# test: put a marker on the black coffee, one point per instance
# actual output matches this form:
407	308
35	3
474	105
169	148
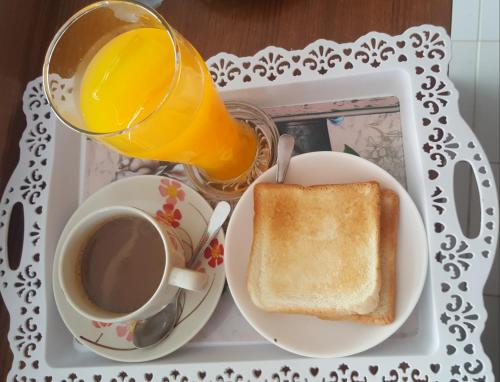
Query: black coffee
122	264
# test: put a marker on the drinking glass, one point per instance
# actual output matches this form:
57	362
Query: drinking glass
118	73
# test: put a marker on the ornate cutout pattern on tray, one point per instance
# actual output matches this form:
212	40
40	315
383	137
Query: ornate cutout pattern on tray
459	265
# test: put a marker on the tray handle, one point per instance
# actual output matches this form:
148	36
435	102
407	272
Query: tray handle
471	151
27	188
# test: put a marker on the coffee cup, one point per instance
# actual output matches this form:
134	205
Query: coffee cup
174	275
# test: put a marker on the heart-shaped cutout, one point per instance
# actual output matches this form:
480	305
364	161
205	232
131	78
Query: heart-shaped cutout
295	59
373	369
148	376
348	65
471	145
402	58
97	378
245	65
419	70
486	183
469	349
297	72
202	375
433	174
489	225
257	373
400	44
488	239
482	170
462	286
485	254
477	157
314	371
347	51
435	68
438	227
443	120
450	349
426	121
445	287
435	367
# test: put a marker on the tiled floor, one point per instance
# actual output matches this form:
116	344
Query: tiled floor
474	69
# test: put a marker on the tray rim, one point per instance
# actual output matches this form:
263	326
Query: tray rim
444	139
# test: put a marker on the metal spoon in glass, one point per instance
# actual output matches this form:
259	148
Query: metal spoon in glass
155	328
285	149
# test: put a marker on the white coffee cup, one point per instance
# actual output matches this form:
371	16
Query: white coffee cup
174	274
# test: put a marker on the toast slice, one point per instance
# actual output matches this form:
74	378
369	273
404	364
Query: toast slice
315	249
389	219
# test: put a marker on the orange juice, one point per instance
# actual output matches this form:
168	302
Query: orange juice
150	103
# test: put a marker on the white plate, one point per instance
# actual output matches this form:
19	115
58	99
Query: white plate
149	193
311	336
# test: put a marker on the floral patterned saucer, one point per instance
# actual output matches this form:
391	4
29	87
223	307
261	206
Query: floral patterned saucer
185	210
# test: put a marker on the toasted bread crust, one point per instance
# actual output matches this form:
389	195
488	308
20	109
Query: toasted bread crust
277	208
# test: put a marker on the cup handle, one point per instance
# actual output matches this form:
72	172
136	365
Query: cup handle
187	279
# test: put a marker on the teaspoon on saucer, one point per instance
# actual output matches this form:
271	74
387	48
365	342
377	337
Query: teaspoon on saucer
154	329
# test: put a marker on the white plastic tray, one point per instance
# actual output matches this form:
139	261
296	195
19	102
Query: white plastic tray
440	341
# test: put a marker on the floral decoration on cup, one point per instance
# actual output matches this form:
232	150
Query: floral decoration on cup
215	253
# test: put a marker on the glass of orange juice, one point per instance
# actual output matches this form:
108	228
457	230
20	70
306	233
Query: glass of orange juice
117	72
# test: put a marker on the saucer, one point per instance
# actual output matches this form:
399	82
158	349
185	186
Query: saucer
311	336
187	212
